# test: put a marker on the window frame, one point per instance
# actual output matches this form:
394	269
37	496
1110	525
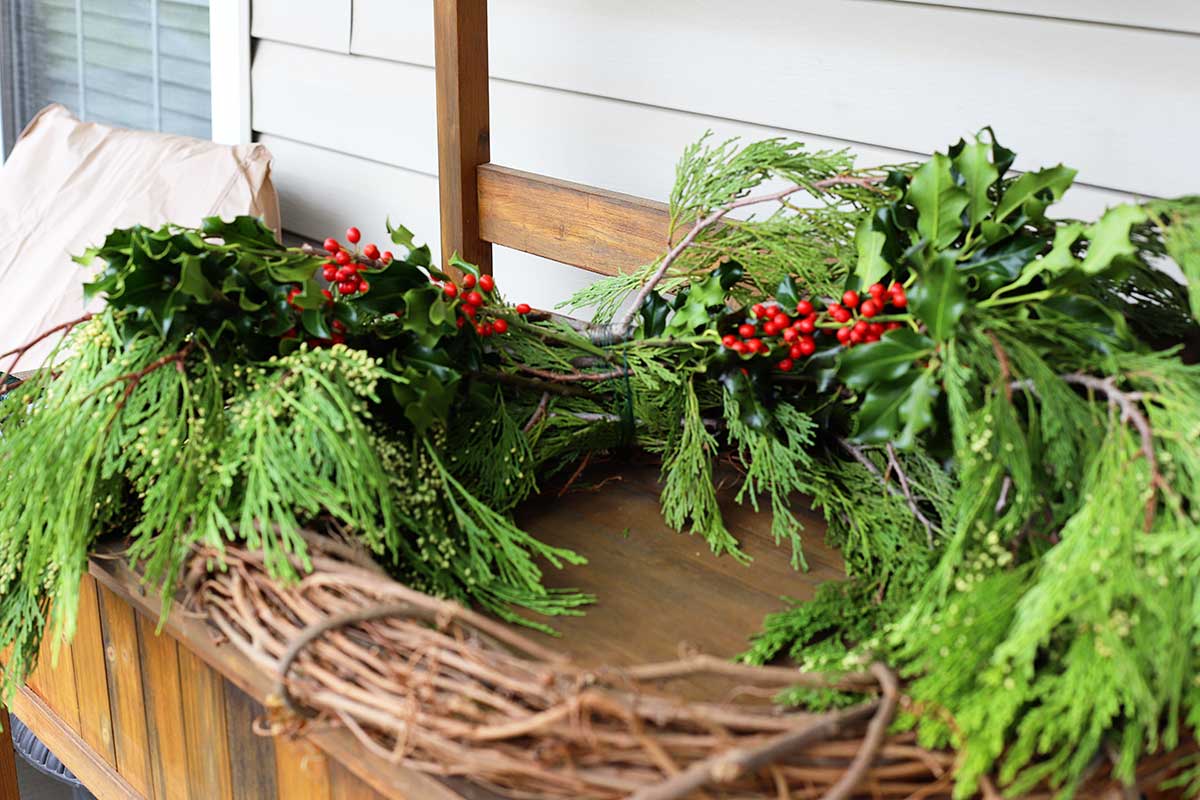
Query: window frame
229	66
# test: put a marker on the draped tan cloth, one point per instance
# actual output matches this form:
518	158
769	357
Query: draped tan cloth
68	183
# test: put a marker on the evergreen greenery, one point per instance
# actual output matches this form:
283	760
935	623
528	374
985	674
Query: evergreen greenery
1005	451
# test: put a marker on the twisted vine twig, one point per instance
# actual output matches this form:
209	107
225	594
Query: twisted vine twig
931	530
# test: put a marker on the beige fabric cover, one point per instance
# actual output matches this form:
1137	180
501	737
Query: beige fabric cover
68	183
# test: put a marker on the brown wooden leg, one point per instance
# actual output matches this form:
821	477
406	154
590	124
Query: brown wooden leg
8	761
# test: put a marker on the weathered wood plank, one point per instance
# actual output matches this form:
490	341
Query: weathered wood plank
121	584
54	679
208	763
251	757
8	759
131	739
347	787
301	770
601	231
164	712
91	675
100	778
460	47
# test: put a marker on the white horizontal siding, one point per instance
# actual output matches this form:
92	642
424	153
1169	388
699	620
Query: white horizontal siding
610	93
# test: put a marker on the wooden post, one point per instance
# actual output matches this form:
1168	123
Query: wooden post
461	46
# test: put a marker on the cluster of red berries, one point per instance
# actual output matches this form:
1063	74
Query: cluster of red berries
862	330
342	271
770	329
472	295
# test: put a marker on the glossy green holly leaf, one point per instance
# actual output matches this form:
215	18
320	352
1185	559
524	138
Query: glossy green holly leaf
696	308
241	230
418	256
890	358
315	324
869	241
1109	240
971	159
390	288
992	267
744	382
787	295
939	297
417	317
728	273
939	201
878	418
427	385
192	280
916	410
1028	189
654	312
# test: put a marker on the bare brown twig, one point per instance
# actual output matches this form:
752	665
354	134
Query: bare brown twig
893	464
18	352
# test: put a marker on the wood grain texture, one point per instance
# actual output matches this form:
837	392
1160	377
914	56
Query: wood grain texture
461	55
9	789
346	786
209	773
389	780
54	678
131	738
600	231
251	757
164	713
91	675
97	774
301	770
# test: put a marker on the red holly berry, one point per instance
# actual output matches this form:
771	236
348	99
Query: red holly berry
729	340
869	308
899	298
758	310
804	308
347	287
861	327
500	326
772	310
781	320
876	329
342	274
755	345
876	290
857	337
790	334
740	348
806	325
331	245
473	298
371	252
469	310
486	329
387	256
746	330
850	299
891	326
785	365
842	315
770	328
523	308
487	283
794	351
338	325
870	338
342	257
328	295
843	335
363	286
451	290
468	281
329	272
460	321
353	235
807	346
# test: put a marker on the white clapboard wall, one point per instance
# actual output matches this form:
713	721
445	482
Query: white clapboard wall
608	92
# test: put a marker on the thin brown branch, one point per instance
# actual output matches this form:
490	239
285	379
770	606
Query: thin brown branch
538	413
931	530
1005	365
623	327
132	379
876	732
574	377
19	352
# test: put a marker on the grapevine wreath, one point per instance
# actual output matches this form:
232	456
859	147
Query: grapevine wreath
992	407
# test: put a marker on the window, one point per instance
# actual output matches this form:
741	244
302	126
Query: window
133	63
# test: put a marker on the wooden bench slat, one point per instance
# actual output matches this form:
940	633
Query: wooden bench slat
598	230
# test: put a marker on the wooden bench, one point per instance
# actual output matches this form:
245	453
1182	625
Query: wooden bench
140	715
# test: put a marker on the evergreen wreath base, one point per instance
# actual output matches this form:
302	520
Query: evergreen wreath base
433	686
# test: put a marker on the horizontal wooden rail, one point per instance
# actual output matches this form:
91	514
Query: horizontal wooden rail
598	230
